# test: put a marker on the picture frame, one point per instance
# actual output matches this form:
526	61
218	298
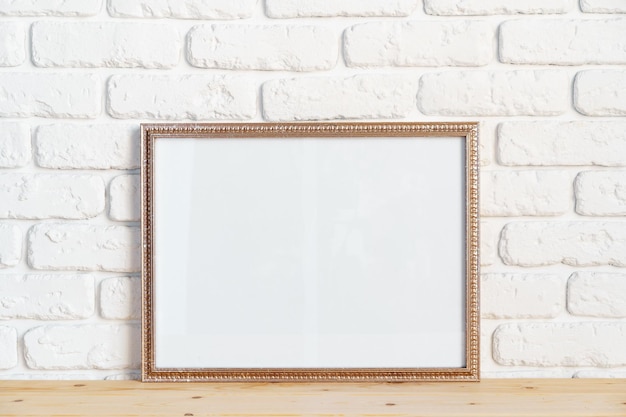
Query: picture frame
310	252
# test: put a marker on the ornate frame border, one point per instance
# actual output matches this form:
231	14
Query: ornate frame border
468	130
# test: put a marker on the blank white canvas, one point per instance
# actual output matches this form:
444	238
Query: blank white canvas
309	252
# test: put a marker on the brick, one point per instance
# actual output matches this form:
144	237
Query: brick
494	93
593	373
100	44
50	376
50	7
65	246
131	376
88	346
490	7
600	92
560	344
521	296
525	193
125	198
195	97
102	146
562	143
572	42
283	48
12	44
569	243
321	8
182	9
489	236
8	347
10	245
49	95
44	196
324	98
601	193
15	149
486	142
120	298
46	297
380	44
597	294
603	6
541	373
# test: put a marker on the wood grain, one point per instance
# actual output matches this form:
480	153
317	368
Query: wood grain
503	397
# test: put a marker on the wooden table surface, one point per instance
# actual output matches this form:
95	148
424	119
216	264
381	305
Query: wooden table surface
491	397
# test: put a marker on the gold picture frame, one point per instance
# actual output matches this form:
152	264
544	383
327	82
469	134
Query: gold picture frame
185	184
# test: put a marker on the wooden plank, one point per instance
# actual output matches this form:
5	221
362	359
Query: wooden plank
502	397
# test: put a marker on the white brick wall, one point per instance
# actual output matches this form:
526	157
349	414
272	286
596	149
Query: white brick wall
12	44
82	247
118	45
601	92
380	44
545	78
44	196
597	294
489	7
15	147
494	93
208	97
572	42
10	245
46	297
290	48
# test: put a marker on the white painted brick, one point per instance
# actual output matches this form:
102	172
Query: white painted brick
10	245
88	346
543	373
195	97
486	142
600	374
102	146
46	297
601	193
120	298
49	95
570	243
562	143
65	246
50	376
12	44
275	47
489	7
560	344
525	193
603	6
105	44
521	296
418	43
489	236
600	92
324	8
15	149
131	376
182	9
491	93
597	294
324	98
124	196
49	7
572	42
8	347
44	196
